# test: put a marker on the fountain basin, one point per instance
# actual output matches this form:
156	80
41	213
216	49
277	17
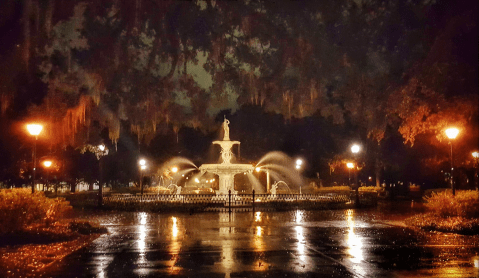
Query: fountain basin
226	173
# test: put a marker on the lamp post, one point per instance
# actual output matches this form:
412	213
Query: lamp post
350	166
452	133
355	148
34	130
100	152
299	163
476	164
47	164
142	163
174	170
268	182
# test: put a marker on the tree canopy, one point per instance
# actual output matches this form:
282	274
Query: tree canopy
142	64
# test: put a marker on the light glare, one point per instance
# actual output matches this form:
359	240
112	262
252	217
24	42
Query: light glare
34	129
355	148
452	132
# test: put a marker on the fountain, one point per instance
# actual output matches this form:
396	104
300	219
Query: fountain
278	166
174	189
275	187
226	170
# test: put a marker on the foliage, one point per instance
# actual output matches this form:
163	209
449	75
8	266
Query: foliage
370	189
424	110
19	208
465	204
433	222
39	247
335	188
180	62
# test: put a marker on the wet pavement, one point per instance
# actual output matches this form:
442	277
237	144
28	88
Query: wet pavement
336	243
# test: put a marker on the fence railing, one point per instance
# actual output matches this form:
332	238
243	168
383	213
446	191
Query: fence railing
229	200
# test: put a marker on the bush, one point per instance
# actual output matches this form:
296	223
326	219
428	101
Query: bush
444	204
370	189
432	222
19	208
335	188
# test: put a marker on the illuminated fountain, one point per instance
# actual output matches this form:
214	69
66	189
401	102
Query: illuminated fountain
277	185
279	167
174	189
226	170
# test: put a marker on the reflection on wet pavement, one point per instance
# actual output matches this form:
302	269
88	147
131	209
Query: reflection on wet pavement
338	243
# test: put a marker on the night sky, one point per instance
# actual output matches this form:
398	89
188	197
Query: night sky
308	78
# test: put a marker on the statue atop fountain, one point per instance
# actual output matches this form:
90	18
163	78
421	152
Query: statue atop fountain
227	130
226	144
226	170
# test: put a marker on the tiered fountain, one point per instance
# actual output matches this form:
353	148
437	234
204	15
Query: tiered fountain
226	170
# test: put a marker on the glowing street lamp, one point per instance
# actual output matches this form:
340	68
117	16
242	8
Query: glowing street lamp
299	163
452	133
355	148
350	166
142	163
101	151
47	164
268	182
34	130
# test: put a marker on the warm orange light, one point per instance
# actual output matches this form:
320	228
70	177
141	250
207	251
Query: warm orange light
258	169
452	132
475	154
142	162
174	169
34	129
47	163
350	165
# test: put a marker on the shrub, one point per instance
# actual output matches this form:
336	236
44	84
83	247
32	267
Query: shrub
444	204
335	188
370	189
19	208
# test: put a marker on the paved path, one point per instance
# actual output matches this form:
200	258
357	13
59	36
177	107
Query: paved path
340	243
